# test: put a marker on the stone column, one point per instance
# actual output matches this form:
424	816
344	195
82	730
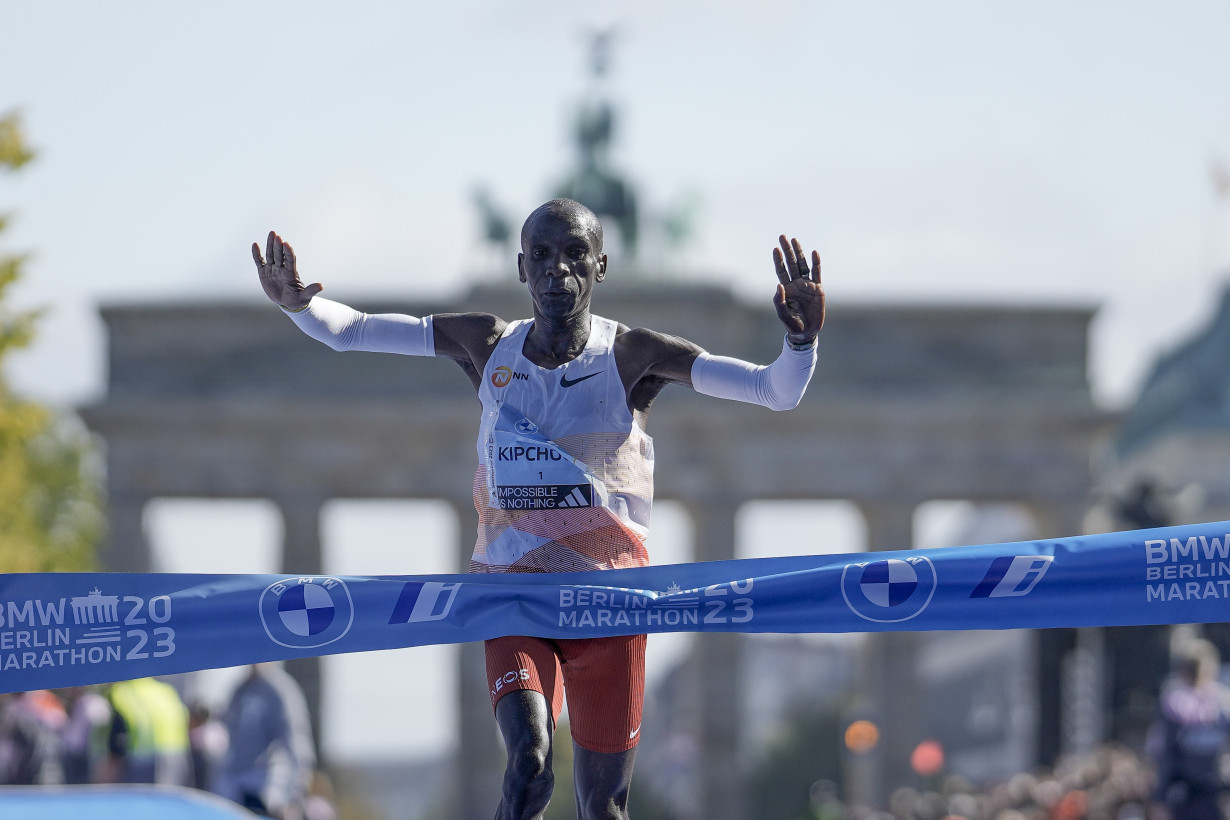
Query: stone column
1075	711
126	548
887	677
302	554
1084	714
302	551
1056	520
719	665
480	755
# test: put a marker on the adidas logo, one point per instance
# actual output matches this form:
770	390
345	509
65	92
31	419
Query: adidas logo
574	499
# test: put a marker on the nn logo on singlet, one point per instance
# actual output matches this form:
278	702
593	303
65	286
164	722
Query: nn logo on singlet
503	375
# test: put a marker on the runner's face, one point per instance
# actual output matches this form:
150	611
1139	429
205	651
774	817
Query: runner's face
561	262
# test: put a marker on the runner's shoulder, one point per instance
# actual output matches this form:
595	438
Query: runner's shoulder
470	328
638	336
645	340
642	352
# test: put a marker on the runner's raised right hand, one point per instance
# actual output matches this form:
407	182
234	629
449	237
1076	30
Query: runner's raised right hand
280	277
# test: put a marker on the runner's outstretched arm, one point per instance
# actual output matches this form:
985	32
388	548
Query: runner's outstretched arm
799	301
335	324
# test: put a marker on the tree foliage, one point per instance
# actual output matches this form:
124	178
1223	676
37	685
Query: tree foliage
50	512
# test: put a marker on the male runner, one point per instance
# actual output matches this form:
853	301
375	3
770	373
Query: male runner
564	480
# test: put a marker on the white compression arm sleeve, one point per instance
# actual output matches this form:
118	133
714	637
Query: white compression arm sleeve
344	328
778	386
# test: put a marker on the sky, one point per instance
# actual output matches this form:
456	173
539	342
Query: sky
1021	153
1041	152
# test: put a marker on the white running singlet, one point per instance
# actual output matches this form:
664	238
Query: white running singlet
565	476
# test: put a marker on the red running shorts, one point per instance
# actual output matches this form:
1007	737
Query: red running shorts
603	678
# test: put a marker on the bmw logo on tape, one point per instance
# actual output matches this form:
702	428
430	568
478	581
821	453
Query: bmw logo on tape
306	612
888	591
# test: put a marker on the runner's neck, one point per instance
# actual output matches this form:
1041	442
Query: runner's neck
553	344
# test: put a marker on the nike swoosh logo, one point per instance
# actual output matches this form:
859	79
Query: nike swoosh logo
634	733
564	381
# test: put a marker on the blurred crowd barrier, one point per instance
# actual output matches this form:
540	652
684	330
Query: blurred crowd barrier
142	732
257	752
1113	783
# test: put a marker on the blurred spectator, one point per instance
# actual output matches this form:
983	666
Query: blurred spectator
88	716
319	802
1145	506
148	742
270	759
1190	736
207	741
31	750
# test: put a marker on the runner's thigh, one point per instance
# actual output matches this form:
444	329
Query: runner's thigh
604	679
519	662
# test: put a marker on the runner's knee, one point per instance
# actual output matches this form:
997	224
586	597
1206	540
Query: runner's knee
528	780
530	763
525	722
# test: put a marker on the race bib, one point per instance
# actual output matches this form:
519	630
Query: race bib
528	471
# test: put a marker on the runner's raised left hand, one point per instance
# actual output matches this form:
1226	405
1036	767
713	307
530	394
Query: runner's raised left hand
800	297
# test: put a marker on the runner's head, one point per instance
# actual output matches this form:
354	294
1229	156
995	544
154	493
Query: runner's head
561	257
568	210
